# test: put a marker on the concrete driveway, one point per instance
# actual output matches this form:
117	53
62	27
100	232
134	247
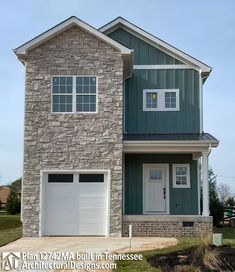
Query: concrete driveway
85	244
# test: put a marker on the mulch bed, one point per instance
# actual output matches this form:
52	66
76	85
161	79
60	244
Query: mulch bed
179	260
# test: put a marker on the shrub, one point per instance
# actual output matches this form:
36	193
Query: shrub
13	202
216	206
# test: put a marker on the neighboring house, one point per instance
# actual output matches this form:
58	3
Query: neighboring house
113	134
4	192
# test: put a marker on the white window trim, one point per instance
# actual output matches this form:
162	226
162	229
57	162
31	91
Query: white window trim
74	98
187	185
161	99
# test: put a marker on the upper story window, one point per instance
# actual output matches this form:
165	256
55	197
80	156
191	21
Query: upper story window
181	175
161	100
74	94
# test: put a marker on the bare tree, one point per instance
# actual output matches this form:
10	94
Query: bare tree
224	192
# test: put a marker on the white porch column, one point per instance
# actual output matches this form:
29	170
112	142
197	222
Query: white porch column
205	185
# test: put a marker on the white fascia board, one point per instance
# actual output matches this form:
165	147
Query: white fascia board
158	43
172	143
22	50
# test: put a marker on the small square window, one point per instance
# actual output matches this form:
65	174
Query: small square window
181	175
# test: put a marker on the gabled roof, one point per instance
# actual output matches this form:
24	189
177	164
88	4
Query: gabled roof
54	31
119	22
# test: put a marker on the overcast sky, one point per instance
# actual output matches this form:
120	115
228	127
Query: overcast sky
203	29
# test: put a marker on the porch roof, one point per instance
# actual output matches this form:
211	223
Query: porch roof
183	142
204	137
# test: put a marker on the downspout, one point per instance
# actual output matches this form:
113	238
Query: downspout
201	78
124	92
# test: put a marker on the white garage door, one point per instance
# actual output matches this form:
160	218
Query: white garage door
75	204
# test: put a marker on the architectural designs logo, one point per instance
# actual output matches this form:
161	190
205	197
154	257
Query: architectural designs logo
10	261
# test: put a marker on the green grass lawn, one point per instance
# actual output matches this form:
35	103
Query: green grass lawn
10	228
184	243
137	266
228	235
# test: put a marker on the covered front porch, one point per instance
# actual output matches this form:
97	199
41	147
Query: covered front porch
162	186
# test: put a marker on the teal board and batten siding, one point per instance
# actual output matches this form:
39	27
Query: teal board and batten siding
182	201
144	53
137	121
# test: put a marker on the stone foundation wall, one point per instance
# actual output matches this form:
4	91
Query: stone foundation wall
170	228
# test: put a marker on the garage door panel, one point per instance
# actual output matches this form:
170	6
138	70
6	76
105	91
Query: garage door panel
63	204
75	208
85	229
92	201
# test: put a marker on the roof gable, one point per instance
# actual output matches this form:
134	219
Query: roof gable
156	42
144	53
56	30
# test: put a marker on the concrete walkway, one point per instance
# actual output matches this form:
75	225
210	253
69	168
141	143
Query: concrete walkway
84	244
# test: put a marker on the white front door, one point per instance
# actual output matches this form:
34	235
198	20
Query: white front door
155	179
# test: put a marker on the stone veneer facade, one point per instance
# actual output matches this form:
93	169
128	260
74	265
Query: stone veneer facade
167	226
72	141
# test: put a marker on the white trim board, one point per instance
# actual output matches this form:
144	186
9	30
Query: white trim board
163	66
61	27
156	42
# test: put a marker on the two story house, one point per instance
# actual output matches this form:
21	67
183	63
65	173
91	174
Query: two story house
113	134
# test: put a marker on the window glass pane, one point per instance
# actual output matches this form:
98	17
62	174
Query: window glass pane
86	89
85	107
55	107
86	81
79	107
181	171
151	100
62	89
92	98
92	107
62	103
56	81
79	89
92	81
55	89
62	108
170	99
56	99
69	89
79	81
68	107
92	89
86	98
178	180
62	80
69	81
64	178
91	177
155	174
79	99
